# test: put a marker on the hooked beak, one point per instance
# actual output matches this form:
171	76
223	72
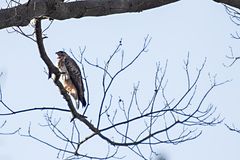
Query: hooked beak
58	55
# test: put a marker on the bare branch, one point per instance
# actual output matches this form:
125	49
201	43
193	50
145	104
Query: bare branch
155	119
232	58
32	109
8	133
233	128
1	101
186	68
147	40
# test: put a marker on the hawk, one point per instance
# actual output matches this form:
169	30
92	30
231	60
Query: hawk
71	77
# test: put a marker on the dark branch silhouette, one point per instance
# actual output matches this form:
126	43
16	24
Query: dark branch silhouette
232	58
17	14
235	18
156	120
232	128
134	124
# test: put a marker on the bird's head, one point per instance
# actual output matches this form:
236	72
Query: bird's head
61	55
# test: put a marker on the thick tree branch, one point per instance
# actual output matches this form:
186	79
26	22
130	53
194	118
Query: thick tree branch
21	15
43	54
233	3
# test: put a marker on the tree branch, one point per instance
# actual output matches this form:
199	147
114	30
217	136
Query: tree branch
54	70
232	128
33	109
233	3
21	15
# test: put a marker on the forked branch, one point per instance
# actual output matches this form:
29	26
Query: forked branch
135	124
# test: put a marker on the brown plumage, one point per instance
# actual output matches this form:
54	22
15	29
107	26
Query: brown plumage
71	77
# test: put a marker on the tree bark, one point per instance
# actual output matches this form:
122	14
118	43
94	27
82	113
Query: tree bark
21	15
55	9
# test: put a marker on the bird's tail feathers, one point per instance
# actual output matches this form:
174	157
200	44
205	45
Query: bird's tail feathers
83	101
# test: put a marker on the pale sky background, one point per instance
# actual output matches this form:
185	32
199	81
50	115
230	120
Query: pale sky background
201	28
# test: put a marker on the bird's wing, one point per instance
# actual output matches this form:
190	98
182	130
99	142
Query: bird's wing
76	78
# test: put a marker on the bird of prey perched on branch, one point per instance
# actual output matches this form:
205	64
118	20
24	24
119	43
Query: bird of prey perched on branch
71	77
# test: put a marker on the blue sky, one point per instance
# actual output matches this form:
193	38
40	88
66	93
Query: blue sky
201	28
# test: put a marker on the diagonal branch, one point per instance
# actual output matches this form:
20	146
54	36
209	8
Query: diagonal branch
53	70
232	128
